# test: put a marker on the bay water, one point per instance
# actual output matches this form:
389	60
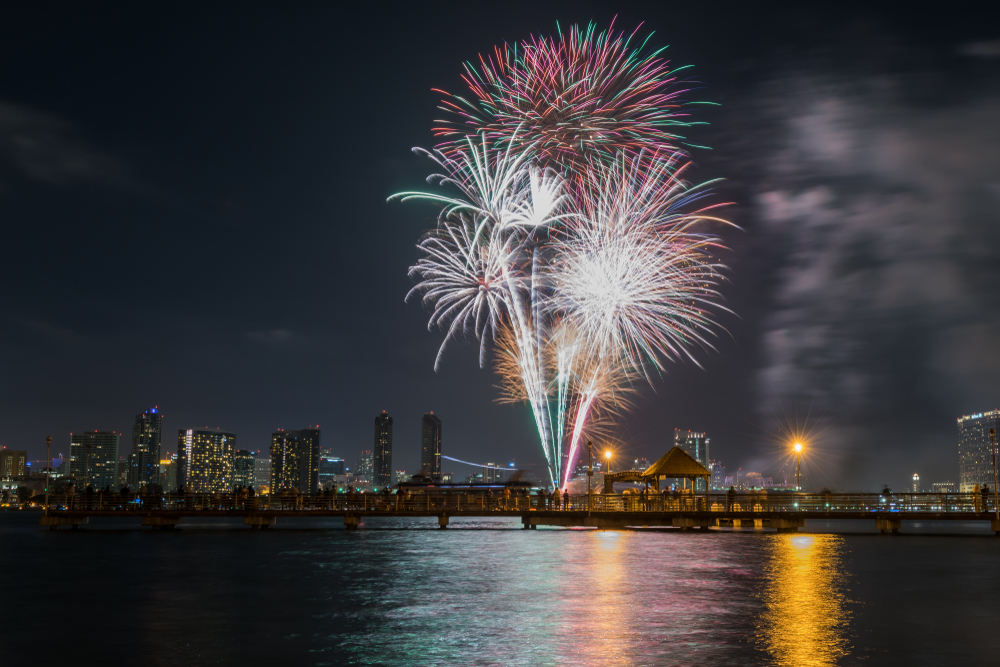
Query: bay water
486	592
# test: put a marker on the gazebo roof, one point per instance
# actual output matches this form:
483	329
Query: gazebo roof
677	463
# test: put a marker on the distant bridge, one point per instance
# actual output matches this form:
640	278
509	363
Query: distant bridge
778	511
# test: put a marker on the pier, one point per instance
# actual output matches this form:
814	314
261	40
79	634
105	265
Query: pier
783	512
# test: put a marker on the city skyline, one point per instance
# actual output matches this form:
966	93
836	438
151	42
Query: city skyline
972	443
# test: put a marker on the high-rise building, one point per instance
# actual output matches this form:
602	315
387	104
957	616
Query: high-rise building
329	467
13	463
295	460
168	473
640	463
205	460
94	458
366	466
975	462
144	461
916	483
262	473
695	444
492	474
402	477
382	452
718	475
243	469
430	446
944	487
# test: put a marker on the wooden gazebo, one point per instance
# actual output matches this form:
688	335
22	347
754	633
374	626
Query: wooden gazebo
674	464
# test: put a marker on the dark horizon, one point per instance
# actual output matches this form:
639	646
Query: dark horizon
196	199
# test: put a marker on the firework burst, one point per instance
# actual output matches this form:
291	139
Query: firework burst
570	99
632	270
568	240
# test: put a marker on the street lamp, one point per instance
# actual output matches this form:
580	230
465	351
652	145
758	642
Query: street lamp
607	455
993	451
798	465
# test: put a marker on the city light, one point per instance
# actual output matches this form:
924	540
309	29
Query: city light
798	447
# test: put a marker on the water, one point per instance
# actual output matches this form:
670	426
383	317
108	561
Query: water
487	593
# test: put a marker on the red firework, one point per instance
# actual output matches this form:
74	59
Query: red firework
574	98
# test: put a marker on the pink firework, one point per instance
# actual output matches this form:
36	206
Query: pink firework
573	98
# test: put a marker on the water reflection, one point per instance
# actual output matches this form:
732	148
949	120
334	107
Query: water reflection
609	614
805	618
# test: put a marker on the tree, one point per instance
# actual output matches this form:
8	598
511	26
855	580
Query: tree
24	494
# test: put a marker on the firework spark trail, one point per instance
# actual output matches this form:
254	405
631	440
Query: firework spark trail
473	269
573	243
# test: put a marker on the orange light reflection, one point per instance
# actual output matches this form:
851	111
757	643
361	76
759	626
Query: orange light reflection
805	620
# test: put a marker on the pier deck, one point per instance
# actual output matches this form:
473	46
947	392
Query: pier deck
782	512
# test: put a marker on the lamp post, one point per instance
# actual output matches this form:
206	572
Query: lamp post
607	455
48	469
993	451
798	467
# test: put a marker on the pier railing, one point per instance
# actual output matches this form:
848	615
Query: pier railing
810	503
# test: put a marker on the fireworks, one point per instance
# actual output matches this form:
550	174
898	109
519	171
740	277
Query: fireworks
573	98
573	246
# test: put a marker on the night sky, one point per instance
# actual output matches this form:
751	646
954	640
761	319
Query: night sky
193	198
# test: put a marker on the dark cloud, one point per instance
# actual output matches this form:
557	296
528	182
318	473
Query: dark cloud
984	49
272	337
44	147
886	299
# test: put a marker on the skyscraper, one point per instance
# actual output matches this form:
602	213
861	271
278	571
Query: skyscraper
13	463
916	483
718	475
329	467
168	474
144	461
205	460
262	473
366	466
382	452
492	474
94	458
295	460
695	444
243	469
430	446
975	461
